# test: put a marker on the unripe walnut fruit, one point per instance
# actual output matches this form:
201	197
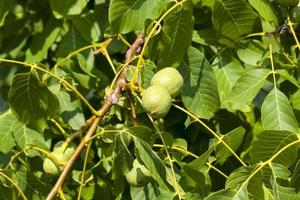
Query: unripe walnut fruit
157	101
50	166
170	79
139	175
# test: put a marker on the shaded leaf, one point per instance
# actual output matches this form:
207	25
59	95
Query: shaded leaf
38	50
233	18
178	26
67	8
233	139
31	101
5	6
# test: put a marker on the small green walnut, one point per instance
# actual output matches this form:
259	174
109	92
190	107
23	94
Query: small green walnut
287	3
50	166
62	155
157	101
139	175
170	79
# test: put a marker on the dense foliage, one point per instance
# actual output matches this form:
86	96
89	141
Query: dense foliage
232	132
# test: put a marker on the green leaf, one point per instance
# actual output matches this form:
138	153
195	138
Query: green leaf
277	113
252	53
233	139
227	76
67	8
233	18
42	42
7	125
285	75
282	193
31	101
228	195
245	89
200	162
268	143
5	6
71	111
88	27
239	180
149	191
129	15
199	92
178	26
295	180
13	133
265	10
152	162
70	42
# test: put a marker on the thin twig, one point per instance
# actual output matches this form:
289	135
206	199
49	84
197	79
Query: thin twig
112	99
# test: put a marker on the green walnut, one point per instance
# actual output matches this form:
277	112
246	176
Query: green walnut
287	3
50	166
157	101
139	175
61	154
170	79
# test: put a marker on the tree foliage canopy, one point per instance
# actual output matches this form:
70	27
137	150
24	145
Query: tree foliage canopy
72	73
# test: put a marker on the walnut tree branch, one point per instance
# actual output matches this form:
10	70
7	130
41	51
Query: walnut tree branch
112	99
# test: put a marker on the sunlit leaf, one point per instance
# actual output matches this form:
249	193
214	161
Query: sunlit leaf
277	113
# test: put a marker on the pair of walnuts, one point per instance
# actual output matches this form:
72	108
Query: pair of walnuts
165	85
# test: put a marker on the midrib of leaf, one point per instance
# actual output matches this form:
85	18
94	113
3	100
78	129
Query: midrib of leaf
277	106
176	30
231	16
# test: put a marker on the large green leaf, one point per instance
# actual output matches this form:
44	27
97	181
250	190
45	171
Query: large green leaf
7	125
295	180
5	6
199	93
129	15
13	133
70	42
267	143
42	42
233	139
227	76
245	89
88	27
282	193
240	181
71	111
179	28
67	8
31	101
265	10
277	113
151	160
233	18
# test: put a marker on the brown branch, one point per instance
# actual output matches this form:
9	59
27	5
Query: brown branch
112	99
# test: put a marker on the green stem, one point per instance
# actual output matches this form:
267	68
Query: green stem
83	170
65	83
216	135
14	184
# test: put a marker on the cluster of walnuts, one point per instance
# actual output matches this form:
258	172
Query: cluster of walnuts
165	85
